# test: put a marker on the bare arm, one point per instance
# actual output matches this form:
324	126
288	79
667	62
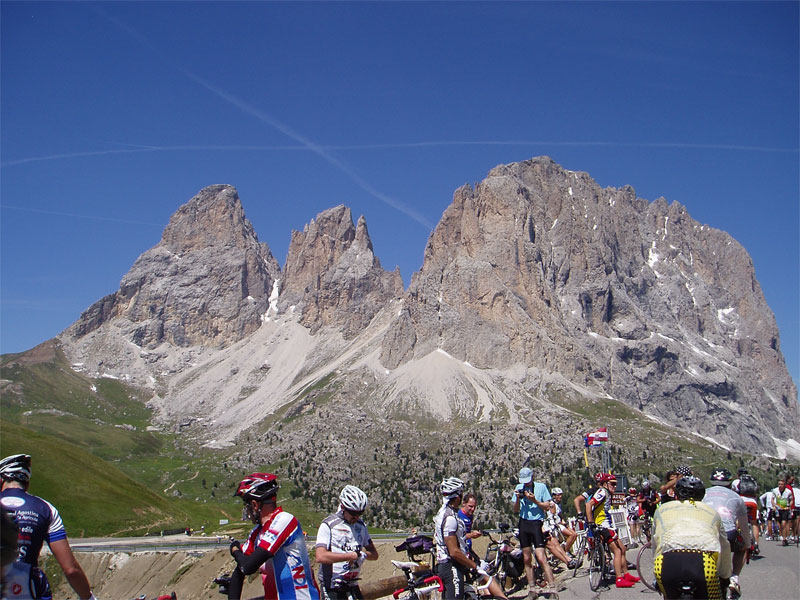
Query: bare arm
72	569
456	554
371	551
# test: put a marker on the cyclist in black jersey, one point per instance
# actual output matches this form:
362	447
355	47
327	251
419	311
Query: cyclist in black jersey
38	522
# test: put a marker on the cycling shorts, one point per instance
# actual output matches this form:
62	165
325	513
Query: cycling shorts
736	541
343	592
784	515
452	576
609	535
531	534
695	568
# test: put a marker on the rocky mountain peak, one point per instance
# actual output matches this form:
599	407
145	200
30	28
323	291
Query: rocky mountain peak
333	273
206	283
213	218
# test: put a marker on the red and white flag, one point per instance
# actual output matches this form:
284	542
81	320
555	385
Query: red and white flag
597	438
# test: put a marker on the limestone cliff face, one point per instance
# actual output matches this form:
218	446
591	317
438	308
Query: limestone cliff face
332	272
541	267
206	283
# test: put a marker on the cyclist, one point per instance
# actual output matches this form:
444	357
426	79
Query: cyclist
631	505
597	514
748	489
531	500
690	546
343	544
276	545
767	500
782	503
466	513
733	513
38	522
648	501
453	563
569	534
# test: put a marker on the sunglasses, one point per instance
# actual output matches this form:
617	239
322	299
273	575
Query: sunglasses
614	483
355	513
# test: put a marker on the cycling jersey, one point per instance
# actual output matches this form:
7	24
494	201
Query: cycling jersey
731	509
38	522
649	499
602	500
445	524
467	520
691	526
337	535
287	575
784	499
766	499
751	505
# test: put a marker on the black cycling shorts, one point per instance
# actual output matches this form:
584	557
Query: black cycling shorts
341	593
697	569
452	576
531	534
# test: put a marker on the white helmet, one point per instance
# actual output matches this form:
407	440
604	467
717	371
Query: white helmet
557	491
16	467
452	487
353	499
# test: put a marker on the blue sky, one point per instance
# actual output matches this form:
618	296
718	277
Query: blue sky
115	114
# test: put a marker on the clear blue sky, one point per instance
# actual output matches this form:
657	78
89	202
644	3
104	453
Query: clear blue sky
115	114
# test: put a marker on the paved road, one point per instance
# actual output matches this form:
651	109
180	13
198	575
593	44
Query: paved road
772	576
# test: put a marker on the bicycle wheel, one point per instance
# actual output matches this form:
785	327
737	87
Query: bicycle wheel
644	566
579	555
597	565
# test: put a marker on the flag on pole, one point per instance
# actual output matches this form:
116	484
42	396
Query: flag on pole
596	438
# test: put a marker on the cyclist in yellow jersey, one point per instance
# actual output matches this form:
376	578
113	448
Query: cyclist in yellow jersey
597	508
690	546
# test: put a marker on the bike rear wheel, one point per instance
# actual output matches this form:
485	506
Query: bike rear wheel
597	566
580	555
644	566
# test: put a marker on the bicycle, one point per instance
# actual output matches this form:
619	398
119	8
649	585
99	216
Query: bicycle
645	529
504	561
644	566
419	585
579	550
600	560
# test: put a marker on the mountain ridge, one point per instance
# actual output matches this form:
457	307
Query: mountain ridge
536	283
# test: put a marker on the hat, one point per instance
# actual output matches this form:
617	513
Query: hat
525	475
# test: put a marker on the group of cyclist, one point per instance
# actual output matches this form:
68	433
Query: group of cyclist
700	536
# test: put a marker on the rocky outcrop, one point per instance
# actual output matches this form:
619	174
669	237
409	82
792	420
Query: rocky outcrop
332	272
539	266
207	283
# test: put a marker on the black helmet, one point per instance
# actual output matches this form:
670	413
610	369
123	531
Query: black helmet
748	486
690	488
721	476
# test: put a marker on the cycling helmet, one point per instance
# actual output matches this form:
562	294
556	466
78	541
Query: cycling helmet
748	486
684	470
353	499
452	487
606	477
721	476
598	477
646	484
257	486
16	467
690	488
557	491
631	491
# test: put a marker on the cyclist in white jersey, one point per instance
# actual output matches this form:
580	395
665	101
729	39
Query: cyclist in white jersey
343	544
449	536
733	512
767	500
783	502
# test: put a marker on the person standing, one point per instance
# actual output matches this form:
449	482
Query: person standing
343	544
453	563
783	503
276	545
467	513
531	501
40	522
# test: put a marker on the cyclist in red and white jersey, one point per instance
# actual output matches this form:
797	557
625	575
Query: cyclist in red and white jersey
343	544
38	522
276	545
748	489
597	514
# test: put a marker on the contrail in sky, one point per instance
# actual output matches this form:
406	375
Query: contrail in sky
77	216
275	123
138	149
